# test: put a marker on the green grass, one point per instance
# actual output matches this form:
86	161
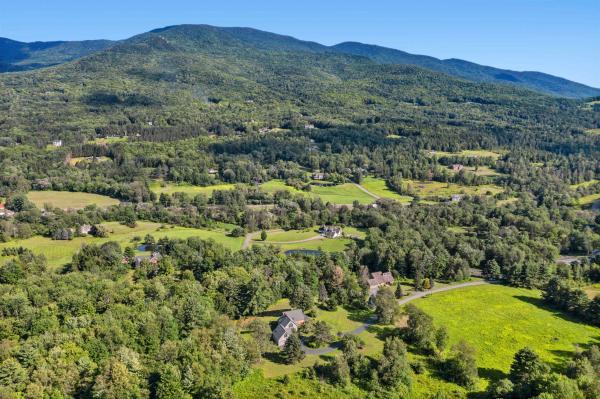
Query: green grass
75	160
584	184
593	132
588	200
379	187
69	200
457	229
440	189
290	235
342	194
467	153
272	186
59	253
108	140
160	187
499	320
339	194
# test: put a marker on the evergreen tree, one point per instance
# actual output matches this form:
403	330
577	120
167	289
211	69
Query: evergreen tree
292	350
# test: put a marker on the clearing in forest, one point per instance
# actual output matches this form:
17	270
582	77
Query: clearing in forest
59	252
160	187
69	200
499	320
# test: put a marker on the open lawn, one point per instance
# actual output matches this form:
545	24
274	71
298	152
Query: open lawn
466	153
379	187
483	171
290	235
584	184
75	160
108	140
588	200
440	189
59	253
593	132
499	320
160	187
69	200
339	194
342	194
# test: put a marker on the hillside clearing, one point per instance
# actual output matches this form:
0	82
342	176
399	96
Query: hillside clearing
69	200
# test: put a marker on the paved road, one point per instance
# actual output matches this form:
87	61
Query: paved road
367	191
336	345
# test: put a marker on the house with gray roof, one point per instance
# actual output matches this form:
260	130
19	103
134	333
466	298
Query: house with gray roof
287	324
378	280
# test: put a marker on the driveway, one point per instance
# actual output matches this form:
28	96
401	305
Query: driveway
336	345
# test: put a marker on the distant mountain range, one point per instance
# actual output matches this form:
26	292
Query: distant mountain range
18	56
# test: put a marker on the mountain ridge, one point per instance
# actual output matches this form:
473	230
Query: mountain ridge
19	56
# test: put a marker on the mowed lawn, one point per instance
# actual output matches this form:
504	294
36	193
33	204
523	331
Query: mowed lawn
499	320
440	189
160	187
59	253
379	187
69	200
341	194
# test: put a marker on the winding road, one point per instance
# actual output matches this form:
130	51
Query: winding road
372	320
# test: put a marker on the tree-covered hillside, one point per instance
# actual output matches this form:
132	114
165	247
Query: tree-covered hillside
213	79
18	56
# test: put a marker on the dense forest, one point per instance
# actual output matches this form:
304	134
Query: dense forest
197	106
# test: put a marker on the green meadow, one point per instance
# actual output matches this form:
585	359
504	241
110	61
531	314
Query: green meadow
499	320
379	187
69	200
440	189
59	253
160	187
467	153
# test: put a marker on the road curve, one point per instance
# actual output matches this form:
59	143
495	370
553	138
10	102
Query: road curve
336	345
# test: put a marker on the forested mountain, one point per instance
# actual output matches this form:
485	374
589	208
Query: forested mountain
538	81
19	56
216	79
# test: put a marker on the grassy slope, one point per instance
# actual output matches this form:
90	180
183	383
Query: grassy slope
433	188
59	253
69	200
171	188
500	320
379	187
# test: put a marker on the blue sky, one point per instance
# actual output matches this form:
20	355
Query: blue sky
561	37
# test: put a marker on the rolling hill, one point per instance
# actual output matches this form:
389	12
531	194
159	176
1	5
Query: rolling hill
238	80
18	56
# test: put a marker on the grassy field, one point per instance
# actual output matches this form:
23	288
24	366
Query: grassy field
588	200
439	189
342	194
499	320
466	153
69	200
483	171
584	184
108	140
593	132
59	253
75	160
290	235
160	187
379	187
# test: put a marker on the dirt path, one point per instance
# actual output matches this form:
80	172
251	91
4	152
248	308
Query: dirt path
336	345
367	191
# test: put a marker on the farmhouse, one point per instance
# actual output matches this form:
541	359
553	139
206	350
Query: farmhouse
85	229
331	231
378	280
57	143
153	259
318	175
287	324
457	167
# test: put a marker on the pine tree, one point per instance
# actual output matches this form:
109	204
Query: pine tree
292	351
